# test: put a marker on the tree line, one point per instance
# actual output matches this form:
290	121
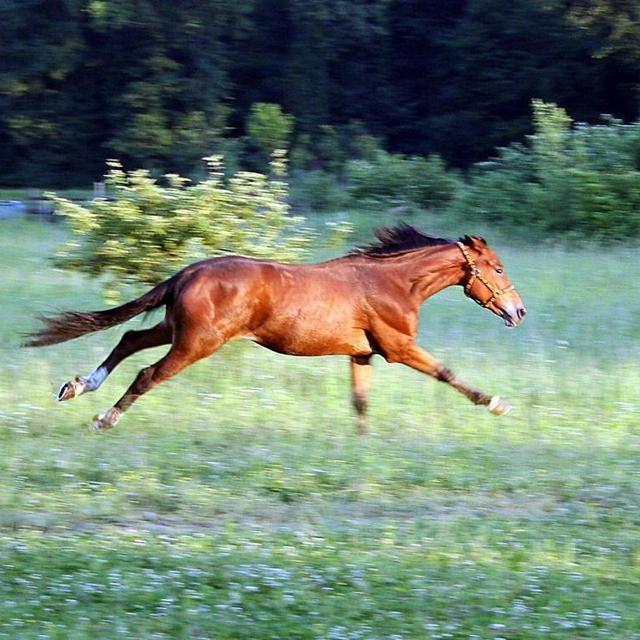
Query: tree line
163	84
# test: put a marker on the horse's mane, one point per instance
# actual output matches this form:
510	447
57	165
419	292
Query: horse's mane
393	241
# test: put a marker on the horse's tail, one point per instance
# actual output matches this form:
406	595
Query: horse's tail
73	324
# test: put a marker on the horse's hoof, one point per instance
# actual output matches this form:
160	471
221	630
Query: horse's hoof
98	424
499	407
106	420
71	389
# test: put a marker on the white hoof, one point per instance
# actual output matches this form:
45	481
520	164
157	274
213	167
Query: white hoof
499	407
82	384
106	420
71	389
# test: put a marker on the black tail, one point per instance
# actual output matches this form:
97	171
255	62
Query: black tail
73	324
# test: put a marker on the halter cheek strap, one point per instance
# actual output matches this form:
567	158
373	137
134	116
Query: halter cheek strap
476	274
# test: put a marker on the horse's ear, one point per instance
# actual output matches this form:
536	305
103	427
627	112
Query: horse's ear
474	241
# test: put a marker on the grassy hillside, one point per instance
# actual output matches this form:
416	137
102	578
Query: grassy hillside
235	500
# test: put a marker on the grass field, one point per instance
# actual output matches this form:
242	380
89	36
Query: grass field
235	501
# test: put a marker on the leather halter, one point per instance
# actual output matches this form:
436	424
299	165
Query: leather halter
476	274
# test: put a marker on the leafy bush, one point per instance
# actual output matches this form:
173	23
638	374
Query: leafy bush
582	179
392	177
331	146
148	231
317	191
269	127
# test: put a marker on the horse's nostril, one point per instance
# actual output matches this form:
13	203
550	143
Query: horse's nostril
522	312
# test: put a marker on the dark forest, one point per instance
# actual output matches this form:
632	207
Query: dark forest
162	84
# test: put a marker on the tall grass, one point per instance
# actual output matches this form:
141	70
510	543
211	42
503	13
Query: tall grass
235	501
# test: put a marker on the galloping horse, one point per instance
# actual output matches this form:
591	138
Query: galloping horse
361	304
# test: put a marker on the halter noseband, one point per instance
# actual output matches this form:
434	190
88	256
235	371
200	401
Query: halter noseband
476	274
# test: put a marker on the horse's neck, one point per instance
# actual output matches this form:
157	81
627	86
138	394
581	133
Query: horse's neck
426	272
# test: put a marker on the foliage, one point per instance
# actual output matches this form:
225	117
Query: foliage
318	190
424	182
161	85
583	180
507	53
332	146
148	231
81	79
617	22
269	127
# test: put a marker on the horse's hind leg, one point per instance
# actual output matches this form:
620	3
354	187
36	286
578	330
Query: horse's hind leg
130	343
180	356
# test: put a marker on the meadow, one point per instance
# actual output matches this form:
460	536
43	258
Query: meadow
236	501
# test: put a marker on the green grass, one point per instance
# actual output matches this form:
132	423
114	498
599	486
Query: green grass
235	501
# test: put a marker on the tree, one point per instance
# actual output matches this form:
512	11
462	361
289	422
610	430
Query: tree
48	110
162	84
170	108
617	21
270	127
506	54
81	80
616	24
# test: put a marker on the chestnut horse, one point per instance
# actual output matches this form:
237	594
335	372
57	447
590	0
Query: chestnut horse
361	304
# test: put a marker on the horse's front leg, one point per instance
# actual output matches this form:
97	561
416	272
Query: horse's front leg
361	370
414	356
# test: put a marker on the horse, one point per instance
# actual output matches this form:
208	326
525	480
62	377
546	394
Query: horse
361	304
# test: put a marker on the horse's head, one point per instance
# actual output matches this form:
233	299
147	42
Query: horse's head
486	282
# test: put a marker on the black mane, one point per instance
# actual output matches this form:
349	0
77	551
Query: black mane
393	241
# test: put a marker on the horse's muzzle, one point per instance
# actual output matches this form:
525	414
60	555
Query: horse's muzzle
513	317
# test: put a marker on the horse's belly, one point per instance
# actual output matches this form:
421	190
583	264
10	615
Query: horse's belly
311	320
315	342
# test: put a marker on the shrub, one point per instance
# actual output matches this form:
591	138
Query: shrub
582	180
148	231
607	204
392	177
330	147
317	191
269	127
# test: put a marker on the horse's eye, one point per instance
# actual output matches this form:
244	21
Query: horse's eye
499	270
